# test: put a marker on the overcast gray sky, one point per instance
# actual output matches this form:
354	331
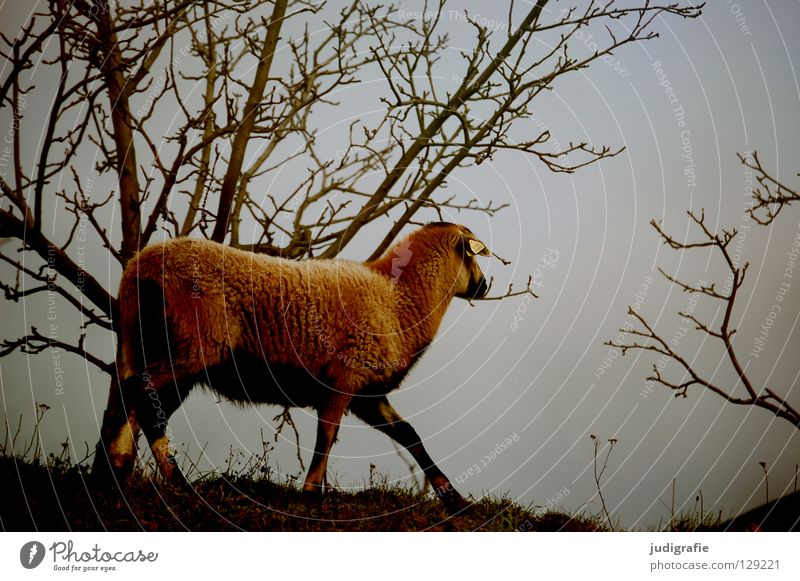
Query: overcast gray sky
529	370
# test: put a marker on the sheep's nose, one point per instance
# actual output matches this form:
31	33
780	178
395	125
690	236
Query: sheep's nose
481	289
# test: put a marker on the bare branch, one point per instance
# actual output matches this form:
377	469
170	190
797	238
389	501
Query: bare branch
771	196
35	343
510	292
651	341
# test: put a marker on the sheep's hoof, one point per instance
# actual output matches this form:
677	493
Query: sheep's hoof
104	475
456	505
181	485
173	484
178	481
313	498
102	480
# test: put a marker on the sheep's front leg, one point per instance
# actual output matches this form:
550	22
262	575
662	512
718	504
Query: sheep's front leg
329	418
379	413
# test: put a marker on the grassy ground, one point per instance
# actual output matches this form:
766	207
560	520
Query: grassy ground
61	497
52	493
57	496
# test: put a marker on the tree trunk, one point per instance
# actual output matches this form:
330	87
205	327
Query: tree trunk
240	140
111	65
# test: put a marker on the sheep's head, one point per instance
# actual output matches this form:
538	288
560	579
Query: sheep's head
469	282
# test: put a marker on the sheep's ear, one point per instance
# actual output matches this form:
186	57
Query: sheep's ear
477	248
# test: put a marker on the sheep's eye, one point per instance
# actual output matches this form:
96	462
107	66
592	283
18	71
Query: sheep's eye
476	247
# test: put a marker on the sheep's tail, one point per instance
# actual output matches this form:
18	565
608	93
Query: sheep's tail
143	324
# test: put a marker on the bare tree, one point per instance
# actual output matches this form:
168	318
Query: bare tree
247	100
769	199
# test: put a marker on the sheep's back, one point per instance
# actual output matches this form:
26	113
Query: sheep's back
333	318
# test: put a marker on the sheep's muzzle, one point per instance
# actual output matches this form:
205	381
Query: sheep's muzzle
477	288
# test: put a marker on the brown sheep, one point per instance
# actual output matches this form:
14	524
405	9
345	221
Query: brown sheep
334	335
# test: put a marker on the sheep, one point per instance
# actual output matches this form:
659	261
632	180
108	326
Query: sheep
333	335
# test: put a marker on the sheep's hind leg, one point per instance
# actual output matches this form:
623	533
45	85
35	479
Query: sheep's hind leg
115	454
379	413
329	418
160	394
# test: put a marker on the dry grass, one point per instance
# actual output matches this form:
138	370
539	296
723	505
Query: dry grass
54	496
55	493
